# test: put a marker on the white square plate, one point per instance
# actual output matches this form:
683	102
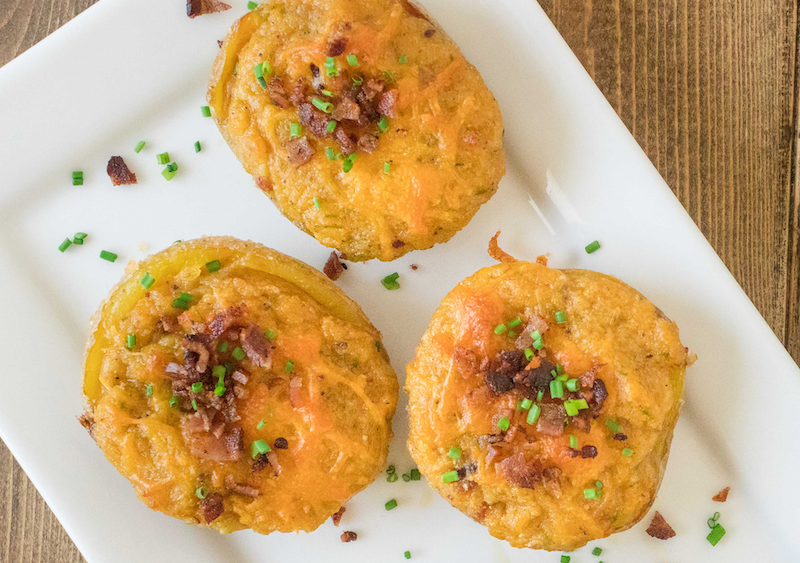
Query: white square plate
130	70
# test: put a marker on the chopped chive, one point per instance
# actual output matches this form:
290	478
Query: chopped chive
78	238
390	281
392	478
147	281
571	408
352	60
592	246
716	534
415	475
589	493
172	167
261	69
389	76
330	153
627	452
378	346
391	469
168	174
327	107
538	344
573	441
270	334
449	476
197	147
213	266
406	477
205	111
139	147
540	396
194	404
573	384
716	516
130	342
326	93
559	369
580	403
197	387
262	82
295	130
347	165
289	367
565	558
561	317
106	255
528	354
331	127
163	158
454	453
148	390
407	555
526	404
613	426
223	347
390	504
261	424
403	60
77	178
533	414
536	335
219	389
238	354
512	334
173	402
236	68
317	204
258	448
383	124
386	167
218	372
598	484
503	423
65	245
556	389
330	67
516	322
77	174
357	80
500	329
252	5
710	523
201	493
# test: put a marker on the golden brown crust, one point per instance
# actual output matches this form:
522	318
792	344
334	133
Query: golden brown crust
622	364
316	388
441	132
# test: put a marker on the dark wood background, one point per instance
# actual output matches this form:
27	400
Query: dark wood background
708	88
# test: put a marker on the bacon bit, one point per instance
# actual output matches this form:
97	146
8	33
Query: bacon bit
260	463
496	253
466	360
333	267
346	144
300	93
588	452
551	419
240	377
519	472
277	92
257	347
212	507
347	537
299	151
582	422
281	444
228	447
552	479
398	243
87	421
169	324
599	396
414	267
537	378
316	81
314	119
372	89
498	382
295	384
659	528
337	516
429	33
219	43
119	172
223	321
721	496
387	104
346	109
246	490
196	8
197	351
620	437
369	144
336	47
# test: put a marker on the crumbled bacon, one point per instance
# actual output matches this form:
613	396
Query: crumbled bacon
599	396
721	496
246	490
551	419
168	323
537	378
429	33
346	109
314	119
299	151
466	360
119	172
517	470
552	479
260	463
414	267
228	447
197	350
281	444
196	8
336	47
620	437
369	144
349	536
87	421
495	251
240	376
277	92
223	321
212	507
257	347
512	362
333	267
588	452
299	94
346	144
337	516
659	528
498	382
316	78
387	104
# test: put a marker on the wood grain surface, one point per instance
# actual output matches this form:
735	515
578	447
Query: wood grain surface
709	90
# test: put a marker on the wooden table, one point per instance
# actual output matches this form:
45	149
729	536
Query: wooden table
709	88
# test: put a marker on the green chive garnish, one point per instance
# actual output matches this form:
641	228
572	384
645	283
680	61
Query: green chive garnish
402	60
386	167
197	387
295	130
390	504
415	475
149	391
258	448
219	389
392	478
538	344
390	281
139	147
598	484
716	534
289	367
252	5
197	147
261	424
201	493
450	477
597	551
194	404
168	174
515	323
561	317
130	342
205	111
387	74
213	266
326	93
147	281
454	453
79	238
261	69
352	60
106	255
627	452
238	354
65	245
573	441
77	178
317	204
528	354
500	329
347	165
613	426
540	396
556	389
330	67
327	107
383	124
565	558
592	246
270	334
163	158
503	423
533	414
173	402
526	404
330	153
218	372
331	127
590	493
407	555
573	384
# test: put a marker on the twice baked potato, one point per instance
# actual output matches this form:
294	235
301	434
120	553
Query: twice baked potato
236	387
361	120
542	403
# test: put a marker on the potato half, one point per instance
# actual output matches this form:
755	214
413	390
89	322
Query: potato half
543	401
361	120
236	387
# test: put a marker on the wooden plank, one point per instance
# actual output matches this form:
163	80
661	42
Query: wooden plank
707	87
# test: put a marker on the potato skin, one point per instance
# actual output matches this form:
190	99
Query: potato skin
334	409
612	333
444	145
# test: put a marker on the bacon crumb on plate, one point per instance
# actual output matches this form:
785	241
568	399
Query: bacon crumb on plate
659	528
337	516
119	172
196	8
721	496
349	536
